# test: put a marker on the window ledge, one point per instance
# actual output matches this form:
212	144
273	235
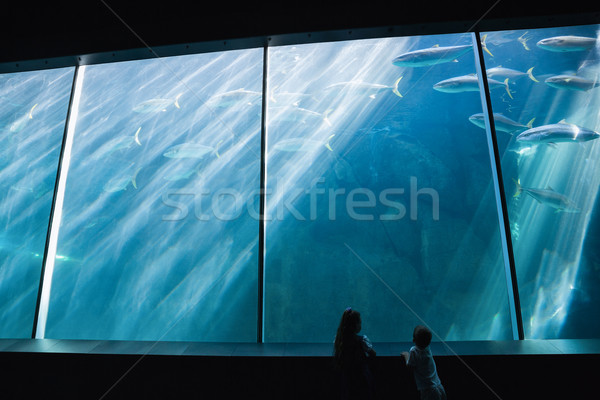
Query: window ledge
455	348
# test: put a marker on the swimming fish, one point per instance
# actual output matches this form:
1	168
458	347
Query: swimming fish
156	105
501	123
191	150
523	40
548	197
435	55
302	144
468	83
555	133
567	43
20	123
118	143
235	98
297	114
364	88
181	172
431	56
513	74
122	182
571	82
294	98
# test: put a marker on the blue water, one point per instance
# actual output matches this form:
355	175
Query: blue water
554	251
381	202
33	109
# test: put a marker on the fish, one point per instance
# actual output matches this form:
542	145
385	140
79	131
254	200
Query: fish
431	56
567	43
523	40
181	172
468	83
571	82
118	143
555	133
191	150
435	55
235	98
501	123
156	105
364	88
20	123
121	183
522	151
548	197
297	114
510	73
301	144
293	98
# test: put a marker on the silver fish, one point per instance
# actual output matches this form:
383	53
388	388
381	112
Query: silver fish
156	105
363	88
181	172
301	144
122	182
548	197
297	114
20	123
468	83
431	56
571	82
556	133
501	123
435	55
567	43
190	150
235	98
118	143
513	74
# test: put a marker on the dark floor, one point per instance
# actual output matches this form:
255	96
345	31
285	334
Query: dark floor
169	370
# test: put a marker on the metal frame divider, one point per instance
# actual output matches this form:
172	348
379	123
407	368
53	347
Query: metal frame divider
263	179
505	235
44	287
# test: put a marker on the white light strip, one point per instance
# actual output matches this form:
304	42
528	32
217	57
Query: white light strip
58	205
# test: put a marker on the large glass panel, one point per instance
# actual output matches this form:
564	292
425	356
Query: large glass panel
380	194
32	113
155	240
547	137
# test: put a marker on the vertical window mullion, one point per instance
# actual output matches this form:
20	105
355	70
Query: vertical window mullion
42	304
262	191
505	235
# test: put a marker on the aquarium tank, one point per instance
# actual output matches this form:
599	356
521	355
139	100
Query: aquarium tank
252	195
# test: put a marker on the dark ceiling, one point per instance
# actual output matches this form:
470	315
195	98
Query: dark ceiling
68	28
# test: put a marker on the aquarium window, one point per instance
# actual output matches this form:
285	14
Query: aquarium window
158	233
379	193
241	196
546	131
33	111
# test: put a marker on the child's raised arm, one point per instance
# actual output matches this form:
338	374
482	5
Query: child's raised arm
406	356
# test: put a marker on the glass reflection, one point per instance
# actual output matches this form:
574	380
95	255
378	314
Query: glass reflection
547	137
32	114
379	196
157	239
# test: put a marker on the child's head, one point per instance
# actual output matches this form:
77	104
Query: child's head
421	336
350	322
